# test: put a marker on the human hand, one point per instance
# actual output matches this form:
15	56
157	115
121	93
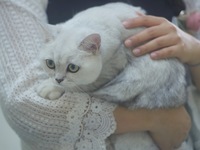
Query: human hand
170	128
162	40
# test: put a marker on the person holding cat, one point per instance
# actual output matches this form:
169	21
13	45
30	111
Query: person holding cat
173	32
164	40
41	124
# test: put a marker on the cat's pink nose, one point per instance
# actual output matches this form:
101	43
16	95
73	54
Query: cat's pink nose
59	80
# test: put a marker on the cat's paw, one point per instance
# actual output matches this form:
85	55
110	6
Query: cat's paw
49	90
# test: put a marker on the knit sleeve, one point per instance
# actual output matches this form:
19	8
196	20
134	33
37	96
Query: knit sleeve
75	121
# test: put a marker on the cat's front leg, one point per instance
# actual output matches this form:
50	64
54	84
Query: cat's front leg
107	94
49	90
118	92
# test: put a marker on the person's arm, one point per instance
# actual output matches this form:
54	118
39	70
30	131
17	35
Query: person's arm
165	40
158	123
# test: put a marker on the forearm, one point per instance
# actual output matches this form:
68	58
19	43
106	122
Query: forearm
157	122
144	119
132	120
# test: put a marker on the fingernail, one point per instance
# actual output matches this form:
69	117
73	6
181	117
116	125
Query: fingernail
136	51
125	23
128	43
154	55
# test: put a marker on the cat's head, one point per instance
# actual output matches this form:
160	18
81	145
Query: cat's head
71	62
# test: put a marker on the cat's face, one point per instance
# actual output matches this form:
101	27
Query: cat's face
72	64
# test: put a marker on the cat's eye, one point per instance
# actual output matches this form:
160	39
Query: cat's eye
73	68
50	63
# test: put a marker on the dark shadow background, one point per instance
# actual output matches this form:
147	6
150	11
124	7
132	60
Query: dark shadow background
61	10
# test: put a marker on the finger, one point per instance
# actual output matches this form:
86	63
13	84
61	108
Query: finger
167	52
140	14
145	35
143	21
155	44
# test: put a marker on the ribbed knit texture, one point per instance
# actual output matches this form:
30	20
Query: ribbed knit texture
75	121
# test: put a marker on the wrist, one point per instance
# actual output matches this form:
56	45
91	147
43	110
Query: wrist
194	53
195	74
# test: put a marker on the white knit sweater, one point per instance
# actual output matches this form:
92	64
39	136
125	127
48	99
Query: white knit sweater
75	121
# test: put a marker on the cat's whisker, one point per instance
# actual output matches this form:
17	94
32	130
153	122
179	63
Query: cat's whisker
77	87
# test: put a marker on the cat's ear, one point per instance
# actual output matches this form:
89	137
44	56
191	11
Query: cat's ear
91	43
50	31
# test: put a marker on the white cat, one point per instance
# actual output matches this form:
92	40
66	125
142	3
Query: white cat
88	55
